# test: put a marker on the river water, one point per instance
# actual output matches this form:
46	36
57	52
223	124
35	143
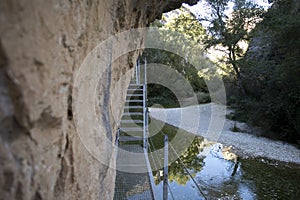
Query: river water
200	173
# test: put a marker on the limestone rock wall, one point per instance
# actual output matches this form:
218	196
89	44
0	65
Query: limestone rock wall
42	46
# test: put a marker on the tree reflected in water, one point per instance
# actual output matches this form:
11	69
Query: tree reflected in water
189	158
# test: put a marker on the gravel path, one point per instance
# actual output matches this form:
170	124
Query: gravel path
208	120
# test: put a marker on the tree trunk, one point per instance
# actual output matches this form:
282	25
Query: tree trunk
232	57
240	84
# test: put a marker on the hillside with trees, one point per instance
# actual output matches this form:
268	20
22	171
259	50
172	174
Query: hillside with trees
271	73
257	51
178	29
265	76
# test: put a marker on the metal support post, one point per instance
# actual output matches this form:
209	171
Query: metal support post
138	73
165	184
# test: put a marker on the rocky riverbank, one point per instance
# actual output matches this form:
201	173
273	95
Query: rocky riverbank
209	121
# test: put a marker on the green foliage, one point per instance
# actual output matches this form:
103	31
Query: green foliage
190	159
203	97
187	24
182	34
272	78
229	32
162	95
190	147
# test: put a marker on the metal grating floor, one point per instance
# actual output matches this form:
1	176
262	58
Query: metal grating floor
132	180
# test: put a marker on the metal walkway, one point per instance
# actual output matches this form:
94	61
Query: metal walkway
134	178
133	185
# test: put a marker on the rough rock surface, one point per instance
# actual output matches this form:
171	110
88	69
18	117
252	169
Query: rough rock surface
42	45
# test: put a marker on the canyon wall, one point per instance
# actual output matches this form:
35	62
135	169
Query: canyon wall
271	73
42	47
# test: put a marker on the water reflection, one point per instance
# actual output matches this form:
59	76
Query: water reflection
219	173
220	178
216	176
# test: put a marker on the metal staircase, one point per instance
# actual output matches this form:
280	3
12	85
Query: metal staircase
134	123
134	179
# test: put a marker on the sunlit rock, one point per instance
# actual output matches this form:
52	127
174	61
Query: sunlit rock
43	45
223	152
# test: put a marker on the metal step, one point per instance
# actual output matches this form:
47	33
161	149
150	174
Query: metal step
135	85
134	101
132	122
132	113
133	107
131	129
129	138
135	89
134	95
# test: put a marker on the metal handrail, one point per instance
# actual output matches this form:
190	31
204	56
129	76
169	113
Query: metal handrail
145	109
165	184
145	115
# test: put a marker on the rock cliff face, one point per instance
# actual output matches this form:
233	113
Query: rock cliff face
42	46
271	76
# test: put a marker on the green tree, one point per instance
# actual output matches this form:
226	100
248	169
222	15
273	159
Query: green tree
272	73
228	31
182	33
187	24
190	160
